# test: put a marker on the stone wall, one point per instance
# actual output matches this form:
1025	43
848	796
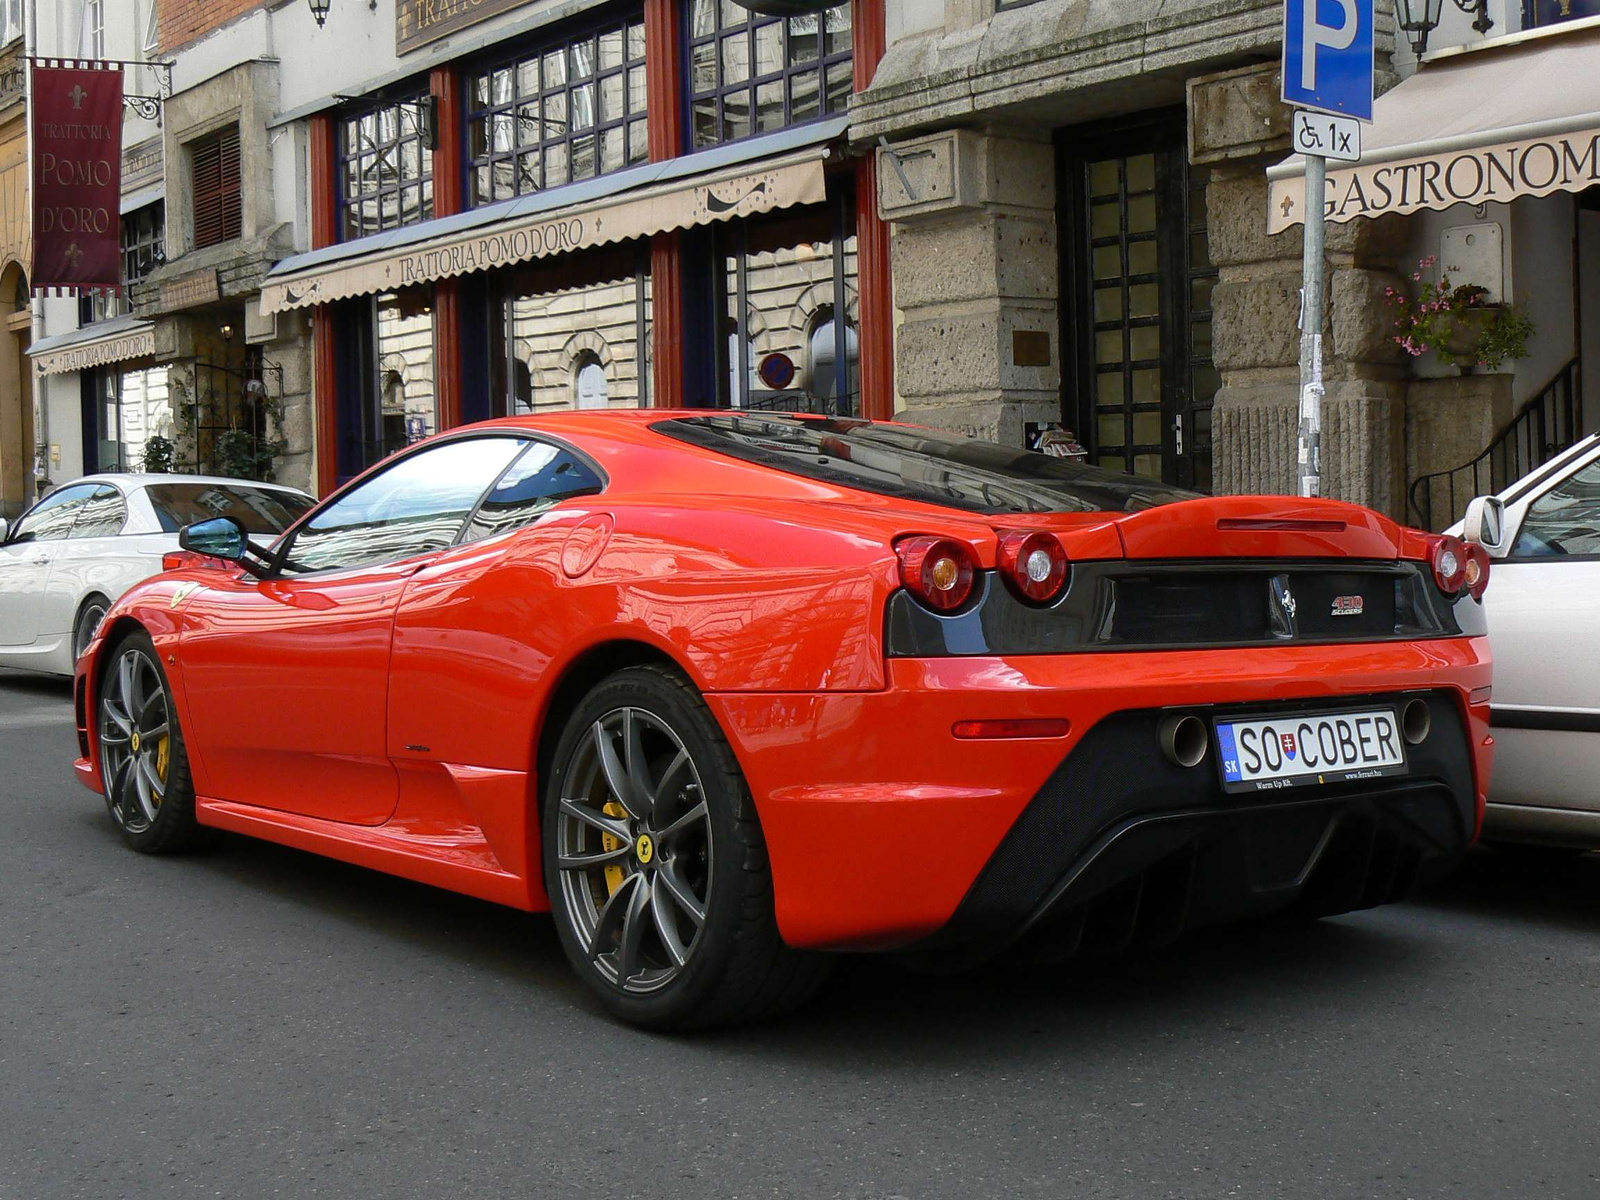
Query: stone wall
975	266
1238	127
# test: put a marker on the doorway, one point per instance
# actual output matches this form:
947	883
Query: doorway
1136	289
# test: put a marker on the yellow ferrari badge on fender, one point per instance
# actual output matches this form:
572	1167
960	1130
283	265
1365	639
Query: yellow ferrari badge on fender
181	593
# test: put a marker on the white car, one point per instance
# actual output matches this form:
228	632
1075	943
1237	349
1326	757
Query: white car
1543	602
73	553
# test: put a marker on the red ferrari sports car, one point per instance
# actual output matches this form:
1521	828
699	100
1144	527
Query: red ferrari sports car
724	689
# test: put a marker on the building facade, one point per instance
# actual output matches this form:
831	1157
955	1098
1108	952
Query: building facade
17	442
1079	202
991	215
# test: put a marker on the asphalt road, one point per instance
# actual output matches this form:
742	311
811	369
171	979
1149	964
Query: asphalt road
256	1022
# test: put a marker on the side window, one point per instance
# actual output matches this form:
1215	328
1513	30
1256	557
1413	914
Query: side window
52	518
102	515
418	505
541	478
1563	521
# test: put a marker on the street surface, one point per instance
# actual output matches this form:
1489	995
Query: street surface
255	1022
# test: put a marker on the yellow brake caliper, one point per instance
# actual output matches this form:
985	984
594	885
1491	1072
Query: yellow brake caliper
614	874
163	761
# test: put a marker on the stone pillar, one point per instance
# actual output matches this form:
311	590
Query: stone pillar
975	278
1238	127
1448	423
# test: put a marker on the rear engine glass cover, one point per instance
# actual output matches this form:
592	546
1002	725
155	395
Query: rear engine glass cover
925	465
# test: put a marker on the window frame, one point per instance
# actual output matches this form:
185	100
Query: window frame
1592	463
532	439
11	534
488	110
750	85
284	545
229	196
138	249
122	525
416	99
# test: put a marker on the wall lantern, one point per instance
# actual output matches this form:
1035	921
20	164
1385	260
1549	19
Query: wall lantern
319	10
1419	18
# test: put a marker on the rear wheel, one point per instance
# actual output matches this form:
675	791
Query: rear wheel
656	866
143	766
92	612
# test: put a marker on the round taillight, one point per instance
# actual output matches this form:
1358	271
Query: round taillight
1475	572
937	571
1034	564
1449	561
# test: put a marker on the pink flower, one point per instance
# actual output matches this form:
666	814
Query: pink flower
1417	275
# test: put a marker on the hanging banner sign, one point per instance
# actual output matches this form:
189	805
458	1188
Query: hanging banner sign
76	118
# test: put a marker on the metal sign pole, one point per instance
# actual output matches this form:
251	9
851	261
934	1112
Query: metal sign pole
1314	270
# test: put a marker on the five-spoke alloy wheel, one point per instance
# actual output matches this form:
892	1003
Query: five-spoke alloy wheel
655	864
143	766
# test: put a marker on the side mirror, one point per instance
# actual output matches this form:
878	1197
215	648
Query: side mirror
5	528
1485	523
220	537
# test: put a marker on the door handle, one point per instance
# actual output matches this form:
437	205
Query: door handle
42	562
1177	434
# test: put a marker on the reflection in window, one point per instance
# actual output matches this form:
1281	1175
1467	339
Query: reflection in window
418	505
403	405
52	518
789	275
257	509
102	515
1565	520
544	476
570	111
575	311
591	383
385	168
750	73
135	406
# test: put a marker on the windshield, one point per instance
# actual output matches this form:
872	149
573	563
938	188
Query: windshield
921	464
259	510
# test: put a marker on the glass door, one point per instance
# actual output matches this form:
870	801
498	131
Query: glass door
1136	282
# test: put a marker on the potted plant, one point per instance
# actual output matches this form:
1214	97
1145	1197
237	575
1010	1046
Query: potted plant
1457	323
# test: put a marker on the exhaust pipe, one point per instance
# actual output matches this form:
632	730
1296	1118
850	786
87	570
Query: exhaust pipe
1183	740
1416	720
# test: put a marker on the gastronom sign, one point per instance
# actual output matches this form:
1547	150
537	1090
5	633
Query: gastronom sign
1501	171
418	22
76	116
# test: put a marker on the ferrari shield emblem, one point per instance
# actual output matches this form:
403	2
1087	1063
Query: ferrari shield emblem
1288	744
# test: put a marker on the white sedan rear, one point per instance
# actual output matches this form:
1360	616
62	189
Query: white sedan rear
73	553
1543	608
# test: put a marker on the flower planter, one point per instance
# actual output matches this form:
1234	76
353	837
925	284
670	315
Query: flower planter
1467	329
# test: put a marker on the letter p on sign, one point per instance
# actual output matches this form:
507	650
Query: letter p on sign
1327	56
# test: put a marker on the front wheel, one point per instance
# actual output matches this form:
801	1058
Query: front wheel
656	866
144	768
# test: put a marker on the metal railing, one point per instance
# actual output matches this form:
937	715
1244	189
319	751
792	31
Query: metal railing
1544	427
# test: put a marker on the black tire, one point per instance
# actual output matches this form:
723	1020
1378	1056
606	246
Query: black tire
90	613
735	966
154	812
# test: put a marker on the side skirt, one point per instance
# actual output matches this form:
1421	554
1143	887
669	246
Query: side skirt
456	861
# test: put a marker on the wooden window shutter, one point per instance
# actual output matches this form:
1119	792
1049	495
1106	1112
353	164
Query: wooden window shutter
215	187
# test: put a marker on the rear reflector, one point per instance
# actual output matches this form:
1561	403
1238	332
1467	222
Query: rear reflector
1280	525
1022	727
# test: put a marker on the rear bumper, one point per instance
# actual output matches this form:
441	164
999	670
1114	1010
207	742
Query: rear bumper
884	830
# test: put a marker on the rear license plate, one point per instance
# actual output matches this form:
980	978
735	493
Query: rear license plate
1284	751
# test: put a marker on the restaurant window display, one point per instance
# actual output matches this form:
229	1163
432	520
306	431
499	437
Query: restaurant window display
400	400
794	277
131	407
385	168
750	73
573	332
568	111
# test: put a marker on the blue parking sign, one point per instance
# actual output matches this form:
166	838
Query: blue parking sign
1327	55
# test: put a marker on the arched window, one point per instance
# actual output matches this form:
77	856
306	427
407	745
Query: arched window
822	349
590	383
